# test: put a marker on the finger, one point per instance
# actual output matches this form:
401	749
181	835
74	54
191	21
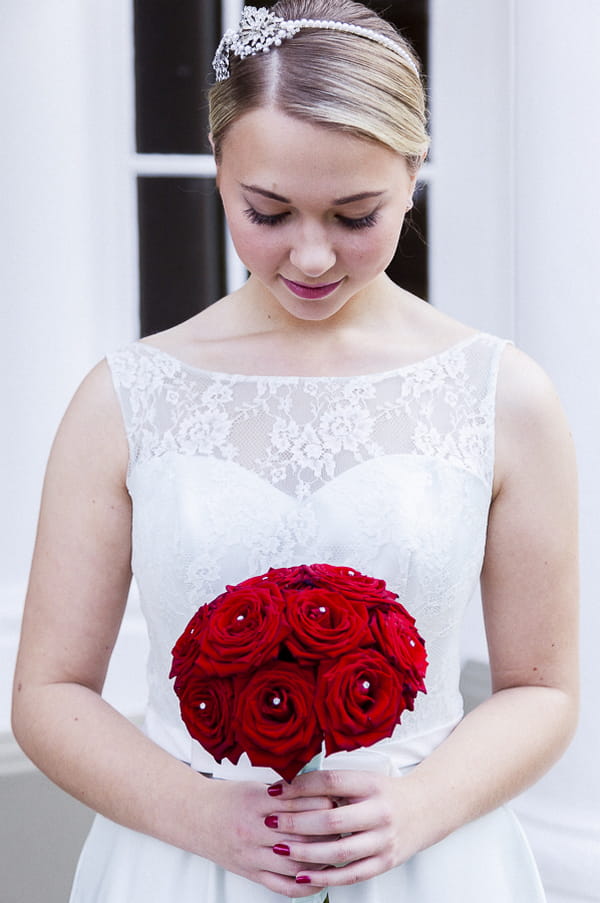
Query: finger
283	862
339	784
301	838
297	799
341	852
348	819
306	803
287	887
275	859
285	819
337	877
351	872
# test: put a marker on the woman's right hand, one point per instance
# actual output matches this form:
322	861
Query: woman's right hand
237	837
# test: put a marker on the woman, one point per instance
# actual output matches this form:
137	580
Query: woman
320	413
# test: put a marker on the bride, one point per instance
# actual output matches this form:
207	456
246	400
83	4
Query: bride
320	413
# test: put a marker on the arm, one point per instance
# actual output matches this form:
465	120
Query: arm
529	588
76	597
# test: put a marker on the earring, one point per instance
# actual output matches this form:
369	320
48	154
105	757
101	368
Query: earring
409	206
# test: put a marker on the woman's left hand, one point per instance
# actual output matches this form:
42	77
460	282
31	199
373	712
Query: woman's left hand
375	825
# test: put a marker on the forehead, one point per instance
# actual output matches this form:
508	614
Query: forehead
290	157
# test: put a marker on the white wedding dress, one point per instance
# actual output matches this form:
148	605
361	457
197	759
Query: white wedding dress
387	473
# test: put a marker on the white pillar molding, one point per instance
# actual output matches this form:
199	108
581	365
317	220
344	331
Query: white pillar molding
65	247
515	220
471	196
231	11
46	290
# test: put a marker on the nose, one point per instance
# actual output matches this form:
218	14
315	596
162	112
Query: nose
312	254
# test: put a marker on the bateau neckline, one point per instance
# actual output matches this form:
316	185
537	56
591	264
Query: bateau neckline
268	377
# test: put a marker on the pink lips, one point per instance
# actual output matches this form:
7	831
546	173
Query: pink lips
310	291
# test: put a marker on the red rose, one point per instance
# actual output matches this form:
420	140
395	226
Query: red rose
352	584
274	718
282	577
206	706
185	650
245	629
359	700
398	639
324	625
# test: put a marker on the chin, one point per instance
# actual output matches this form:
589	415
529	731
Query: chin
313	312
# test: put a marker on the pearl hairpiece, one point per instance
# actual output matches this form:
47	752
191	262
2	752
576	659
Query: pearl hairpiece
259	30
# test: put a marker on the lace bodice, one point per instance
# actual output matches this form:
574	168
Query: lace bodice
388	473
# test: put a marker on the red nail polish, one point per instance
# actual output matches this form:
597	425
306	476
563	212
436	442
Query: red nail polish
281	849
275	790
302	879
271	821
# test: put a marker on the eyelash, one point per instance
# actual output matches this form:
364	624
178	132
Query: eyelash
275	219
365	222
263	219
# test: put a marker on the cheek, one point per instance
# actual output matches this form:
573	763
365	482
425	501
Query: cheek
254	245
374	250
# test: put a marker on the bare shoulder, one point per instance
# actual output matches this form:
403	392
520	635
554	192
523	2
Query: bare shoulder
97	390
531	425
96	398
91	432
526	395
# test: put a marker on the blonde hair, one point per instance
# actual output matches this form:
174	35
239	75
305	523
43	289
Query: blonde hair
329	78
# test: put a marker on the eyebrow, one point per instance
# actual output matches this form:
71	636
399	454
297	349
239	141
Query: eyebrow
338	202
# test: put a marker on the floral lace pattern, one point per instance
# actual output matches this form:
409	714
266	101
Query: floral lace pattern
300	431
388	473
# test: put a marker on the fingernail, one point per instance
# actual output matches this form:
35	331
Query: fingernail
271	821
275	790
302	879
281	849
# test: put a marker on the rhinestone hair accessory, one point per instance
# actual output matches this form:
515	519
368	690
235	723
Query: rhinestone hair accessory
259	30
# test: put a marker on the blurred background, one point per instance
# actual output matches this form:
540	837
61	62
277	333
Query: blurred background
110	228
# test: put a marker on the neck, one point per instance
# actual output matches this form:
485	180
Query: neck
365	311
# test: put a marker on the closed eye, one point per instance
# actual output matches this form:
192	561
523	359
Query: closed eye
363	222
264	219
275	219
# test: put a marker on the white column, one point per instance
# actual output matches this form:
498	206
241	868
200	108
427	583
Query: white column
65	236
515	231
558	323
46	293
471	198
471	192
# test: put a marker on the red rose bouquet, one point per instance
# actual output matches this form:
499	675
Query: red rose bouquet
282	662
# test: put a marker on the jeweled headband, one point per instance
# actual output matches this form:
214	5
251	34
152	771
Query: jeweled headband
259	30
